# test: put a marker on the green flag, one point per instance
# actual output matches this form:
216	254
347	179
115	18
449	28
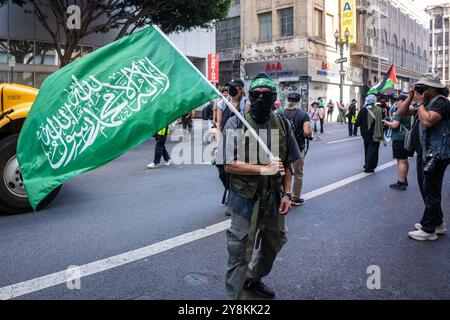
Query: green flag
98	107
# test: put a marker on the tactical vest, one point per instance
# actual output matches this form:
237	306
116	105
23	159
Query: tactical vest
247	186
438	143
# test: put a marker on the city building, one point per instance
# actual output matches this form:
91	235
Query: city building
391	32
294	42
23	37
439	40
228	44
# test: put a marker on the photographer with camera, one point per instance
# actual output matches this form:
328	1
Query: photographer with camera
430	139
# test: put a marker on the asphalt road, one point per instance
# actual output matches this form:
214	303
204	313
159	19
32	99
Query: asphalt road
332	240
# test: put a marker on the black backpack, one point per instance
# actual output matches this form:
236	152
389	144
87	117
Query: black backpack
298	132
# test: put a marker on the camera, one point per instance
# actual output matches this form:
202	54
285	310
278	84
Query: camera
420	88
432	160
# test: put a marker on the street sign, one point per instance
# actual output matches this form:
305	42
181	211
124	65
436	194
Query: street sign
11	62
342	60
342	72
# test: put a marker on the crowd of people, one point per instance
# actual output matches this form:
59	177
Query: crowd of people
259	195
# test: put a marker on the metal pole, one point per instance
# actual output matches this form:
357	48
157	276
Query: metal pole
342	69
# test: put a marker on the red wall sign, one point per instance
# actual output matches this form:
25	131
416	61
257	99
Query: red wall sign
270	67
213	68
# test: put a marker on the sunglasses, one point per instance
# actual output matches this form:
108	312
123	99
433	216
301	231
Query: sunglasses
265	94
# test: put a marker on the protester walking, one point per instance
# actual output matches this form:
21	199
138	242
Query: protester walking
160	149
321	114
370	121
330	110
351	118
302	131
314	115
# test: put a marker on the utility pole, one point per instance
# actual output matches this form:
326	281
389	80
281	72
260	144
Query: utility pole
340	44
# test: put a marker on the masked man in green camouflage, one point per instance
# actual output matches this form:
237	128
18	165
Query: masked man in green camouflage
259	190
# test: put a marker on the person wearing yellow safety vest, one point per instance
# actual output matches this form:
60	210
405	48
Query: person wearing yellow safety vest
160	149
351	116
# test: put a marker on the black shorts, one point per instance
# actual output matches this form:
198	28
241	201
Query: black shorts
399	151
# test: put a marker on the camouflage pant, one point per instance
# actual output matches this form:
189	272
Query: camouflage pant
273	237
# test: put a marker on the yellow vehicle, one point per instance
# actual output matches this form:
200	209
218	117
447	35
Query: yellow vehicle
15	103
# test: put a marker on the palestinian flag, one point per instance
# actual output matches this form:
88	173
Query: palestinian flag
388	82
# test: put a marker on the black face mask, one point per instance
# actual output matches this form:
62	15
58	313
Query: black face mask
232	90
261	107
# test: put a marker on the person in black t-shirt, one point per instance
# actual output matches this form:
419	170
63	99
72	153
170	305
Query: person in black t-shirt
431	116
302	130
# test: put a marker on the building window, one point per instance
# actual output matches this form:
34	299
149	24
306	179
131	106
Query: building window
394	49
286	22
265	27
25	78
46	54
438	22
418	58
3	77
330	29
384	52
23	51
318	23
403	57
438	40
411	56
228	34
4	51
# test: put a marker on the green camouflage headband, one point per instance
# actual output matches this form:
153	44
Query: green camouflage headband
263	83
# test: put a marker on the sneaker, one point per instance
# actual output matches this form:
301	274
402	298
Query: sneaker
169	163
421	235
228	212
398	186
153	165
439	229
258	288
406	182
369	171
298	202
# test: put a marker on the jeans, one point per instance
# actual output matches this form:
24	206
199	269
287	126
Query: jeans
430	185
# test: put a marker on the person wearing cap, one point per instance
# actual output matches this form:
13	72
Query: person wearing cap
400	126
370	121
236	92
321	113
259	192
314	115
226	93
302	130
351	116
430	139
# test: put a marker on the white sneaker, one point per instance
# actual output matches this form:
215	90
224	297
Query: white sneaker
421	235
439	229
152	165
169	163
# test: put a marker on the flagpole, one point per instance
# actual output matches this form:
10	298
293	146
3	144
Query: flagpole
228	103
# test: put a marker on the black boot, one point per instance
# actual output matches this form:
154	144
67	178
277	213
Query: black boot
258	288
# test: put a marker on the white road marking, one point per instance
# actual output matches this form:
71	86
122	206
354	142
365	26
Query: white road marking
37	284
343	140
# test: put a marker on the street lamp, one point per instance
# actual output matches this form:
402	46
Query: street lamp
340	44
